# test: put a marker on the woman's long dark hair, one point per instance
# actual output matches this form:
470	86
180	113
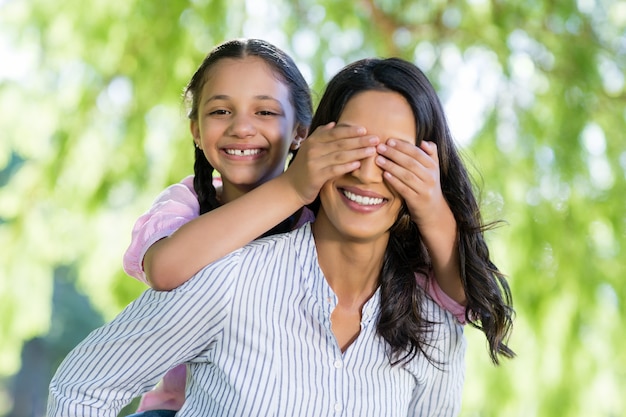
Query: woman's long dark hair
287	71
402	323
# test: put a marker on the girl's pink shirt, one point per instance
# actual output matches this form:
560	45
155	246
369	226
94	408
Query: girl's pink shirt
175	206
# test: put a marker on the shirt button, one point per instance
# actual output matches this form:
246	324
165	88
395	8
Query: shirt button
338	364
337	407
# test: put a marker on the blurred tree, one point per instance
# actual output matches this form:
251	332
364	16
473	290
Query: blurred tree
43	354
93	128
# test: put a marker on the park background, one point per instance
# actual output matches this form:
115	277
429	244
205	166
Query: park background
92	128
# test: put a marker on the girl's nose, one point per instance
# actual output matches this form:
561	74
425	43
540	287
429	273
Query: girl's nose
242	127
368	172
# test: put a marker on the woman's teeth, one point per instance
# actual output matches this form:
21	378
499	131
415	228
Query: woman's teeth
364	201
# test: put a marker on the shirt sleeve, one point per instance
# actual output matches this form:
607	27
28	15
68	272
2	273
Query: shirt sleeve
429	283
127	356
175	206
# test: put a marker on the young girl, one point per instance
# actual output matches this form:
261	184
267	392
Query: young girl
326	319
248	105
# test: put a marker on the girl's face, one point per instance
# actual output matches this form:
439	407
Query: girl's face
360	206
246	123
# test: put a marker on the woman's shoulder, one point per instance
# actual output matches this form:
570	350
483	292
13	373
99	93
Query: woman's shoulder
297	237
293	247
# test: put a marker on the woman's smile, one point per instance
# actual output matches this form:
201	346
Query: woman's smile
360	204
362	200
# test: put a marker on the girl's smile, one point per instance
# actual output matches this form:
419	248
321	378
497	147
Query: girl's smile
244	153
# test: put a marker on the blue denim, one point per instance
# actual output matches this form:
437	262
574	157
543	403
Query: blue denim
155	413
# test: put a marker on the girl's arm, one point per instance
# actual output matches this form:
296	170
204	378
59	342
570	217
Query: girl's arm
174	206
328	152
172	260
443	300
414	173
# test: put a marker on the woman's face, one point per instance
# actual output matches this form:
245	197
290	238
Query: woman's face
360	205
246	123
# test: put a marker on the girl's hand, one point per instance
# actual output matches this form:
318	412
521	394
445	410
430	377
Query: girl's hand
414	173
328	152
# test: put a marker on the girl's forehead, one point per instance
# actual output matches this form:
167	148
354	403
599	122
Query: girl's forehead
248	76
241	66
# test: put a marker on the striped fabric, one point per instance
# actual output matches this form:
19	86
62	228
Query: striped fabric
254	329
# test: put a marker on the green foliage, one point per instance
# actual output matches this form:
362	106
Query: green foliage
94	127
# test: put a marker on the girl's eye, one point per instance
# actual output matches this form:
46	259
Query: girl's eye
267	113
219	112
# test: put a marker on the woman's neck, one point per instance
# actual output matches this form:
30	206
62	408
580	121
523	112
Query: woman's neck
352	268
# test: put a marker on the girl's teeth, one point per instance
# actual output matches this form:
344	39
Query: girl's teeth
364	201
243	152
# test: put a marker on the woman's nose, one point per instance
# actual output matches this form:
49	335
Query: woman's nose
242	126
368	172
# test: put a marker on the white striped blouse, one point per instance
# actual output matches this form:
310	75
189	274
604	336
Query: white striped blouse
254	330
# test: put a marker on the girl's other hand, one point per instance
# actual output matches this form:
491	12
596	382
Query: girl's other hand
413	171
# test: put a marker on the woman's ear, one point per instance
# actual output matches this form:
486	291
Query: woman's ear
195	133
301	133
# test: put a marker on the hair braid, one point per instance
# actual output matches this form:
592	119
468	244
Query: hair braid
203	183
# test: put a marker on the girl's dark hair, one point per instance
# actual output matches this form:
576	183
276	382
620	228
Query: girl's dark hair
402	323
287	71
